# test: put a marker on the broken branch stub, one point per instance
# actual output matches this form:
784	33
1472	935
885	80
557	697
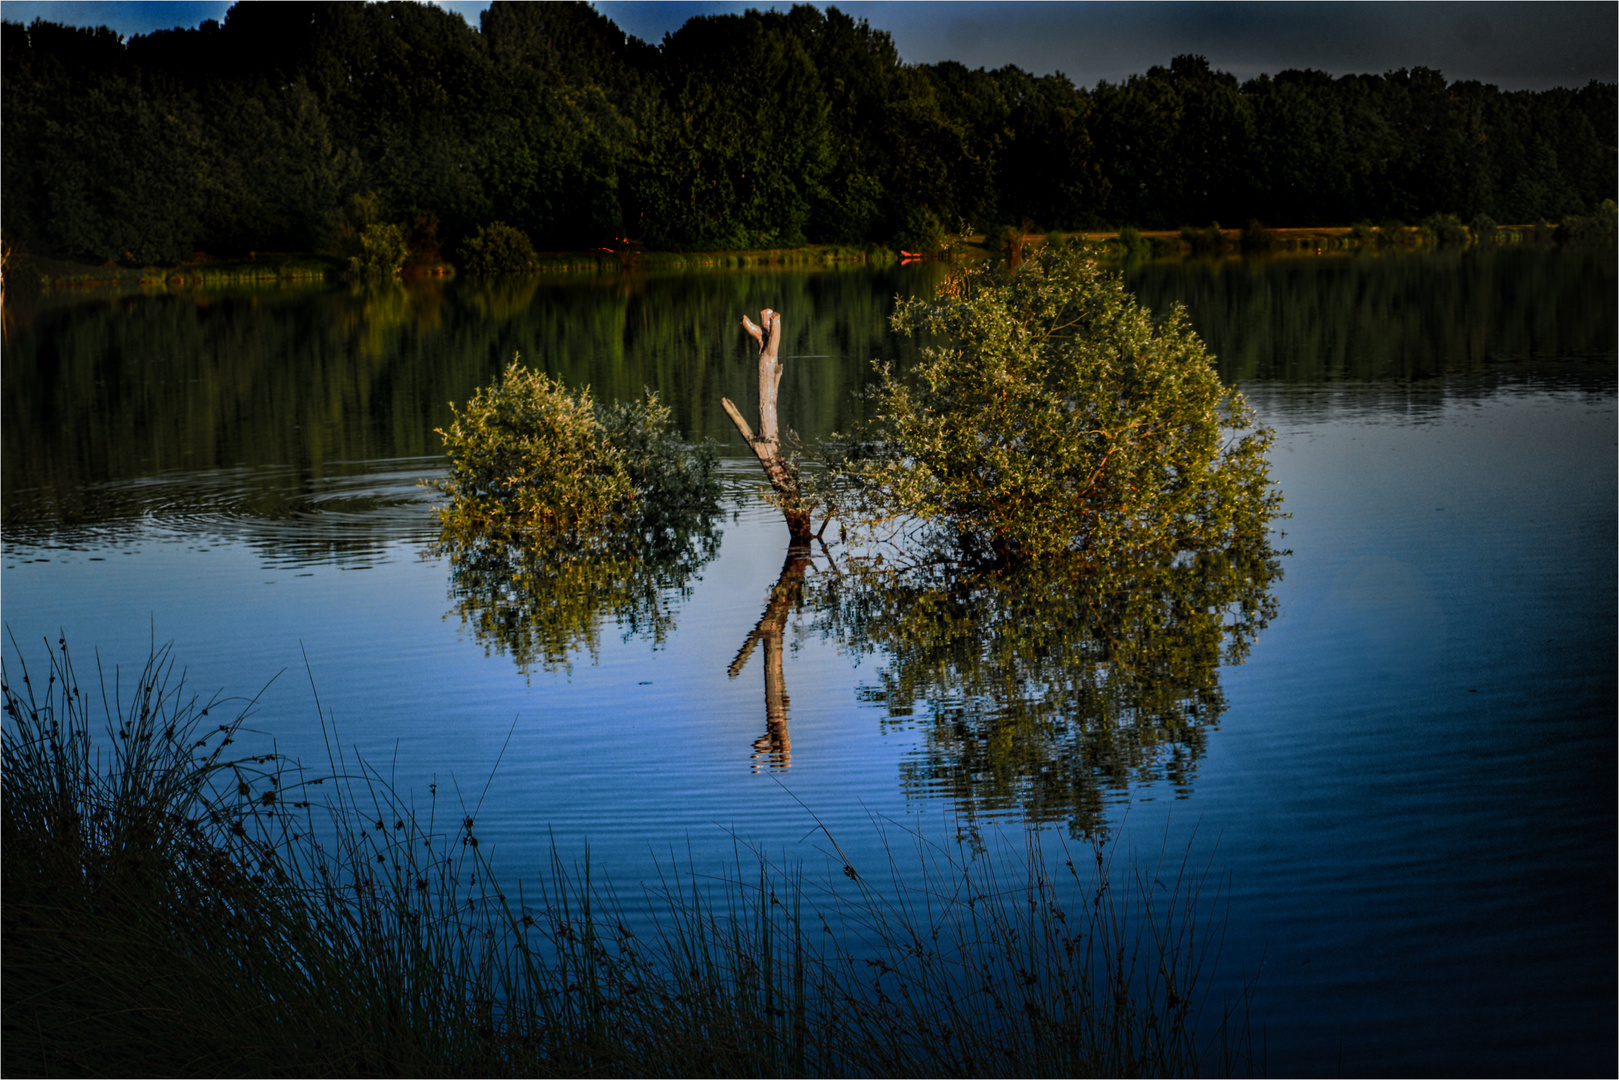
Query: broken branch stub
766	444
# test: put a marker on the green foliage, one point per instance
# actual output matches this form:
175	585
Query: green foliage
497	248
923	231
1258	237
1210	240
1601	222
1133	242
383	252
1003	238
1483	226
1391	232
1050	414
1362	232
528	457
563	511
1446	229
252	135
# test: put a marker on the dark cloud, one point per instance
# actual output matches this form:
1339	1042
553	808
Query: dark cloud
1513	45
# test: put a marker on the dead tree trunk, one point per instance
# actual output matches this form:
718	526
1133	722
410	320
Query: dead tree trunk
781	473
775	746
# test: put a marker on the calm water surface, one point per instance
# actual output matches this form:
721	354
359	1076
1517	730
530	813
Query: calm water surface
1408	783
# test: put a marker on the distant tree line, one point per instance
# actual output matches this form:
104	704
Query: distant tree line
296	126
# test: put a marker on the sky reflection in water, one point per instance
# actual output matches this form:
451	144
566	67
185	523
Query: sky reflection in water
1410	786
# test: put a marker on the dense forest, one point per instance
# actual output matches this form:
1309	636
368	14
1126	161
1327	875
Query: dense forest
293	126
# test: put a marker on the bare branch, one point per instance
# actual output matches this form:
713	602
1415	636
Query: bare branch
736	418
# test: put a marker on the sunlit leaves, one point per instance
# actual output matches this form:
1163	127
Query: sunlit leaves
1050	413
564	512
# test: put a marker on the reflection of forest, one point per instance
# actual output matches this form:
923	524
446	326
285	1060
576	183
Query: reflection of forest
1394	315
103	389
320	380
1044	688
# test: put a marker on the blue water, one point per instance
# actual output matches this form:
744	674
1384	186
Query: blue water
1410	799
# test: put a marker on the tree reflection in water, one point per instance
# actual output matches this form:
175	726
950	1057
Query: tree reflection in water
1046	689
775	746
542	599
1049	688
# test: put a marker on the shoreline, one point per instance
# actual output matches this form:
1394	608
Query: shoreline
305	268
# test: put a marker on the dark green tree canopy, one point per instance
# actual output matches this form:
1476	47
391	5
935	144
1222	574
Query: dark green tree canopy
747	130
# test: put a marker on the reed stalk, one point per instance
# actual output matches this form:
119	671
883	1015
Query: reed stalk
173	909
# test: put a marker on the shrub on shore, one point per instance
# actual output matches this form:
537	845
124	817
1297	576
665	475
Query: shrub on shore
497	248
383	252
1259	237
1133	243
1210	240
1445	229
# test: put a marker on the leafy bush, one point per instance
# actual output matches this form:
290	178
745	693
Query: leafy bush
1599	223
1390	232
382	252
498	248
1484	226
1003	237
1362	232
1446	229
528	457
1258	237
563	510
923	231
1206	241
1050	413
1133	242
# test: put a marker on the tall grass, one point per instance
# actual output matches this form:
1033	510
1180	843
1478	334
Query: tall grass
172	909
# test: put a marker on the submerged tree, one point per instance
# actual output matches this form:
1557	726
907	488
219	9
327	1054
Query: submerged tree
564	512
1079	536
781	467
1050	414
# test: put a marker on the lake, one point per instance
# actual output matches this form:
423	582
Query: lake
1404	775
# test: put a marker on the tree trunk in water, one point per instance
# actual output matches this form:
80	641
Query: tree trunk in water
767	444
775	745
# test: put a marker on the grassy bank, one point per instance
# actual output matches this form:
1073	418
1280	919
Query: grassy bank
285	268
173	908
809	256
261	268
288	268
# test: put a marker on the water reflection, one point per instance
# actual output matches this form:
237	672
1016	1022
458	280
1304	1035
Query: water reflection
541	600
1050	688
775	747
103	387
1395	315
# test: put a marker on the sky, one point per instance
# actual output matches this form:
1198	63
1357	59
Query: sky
1516	46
